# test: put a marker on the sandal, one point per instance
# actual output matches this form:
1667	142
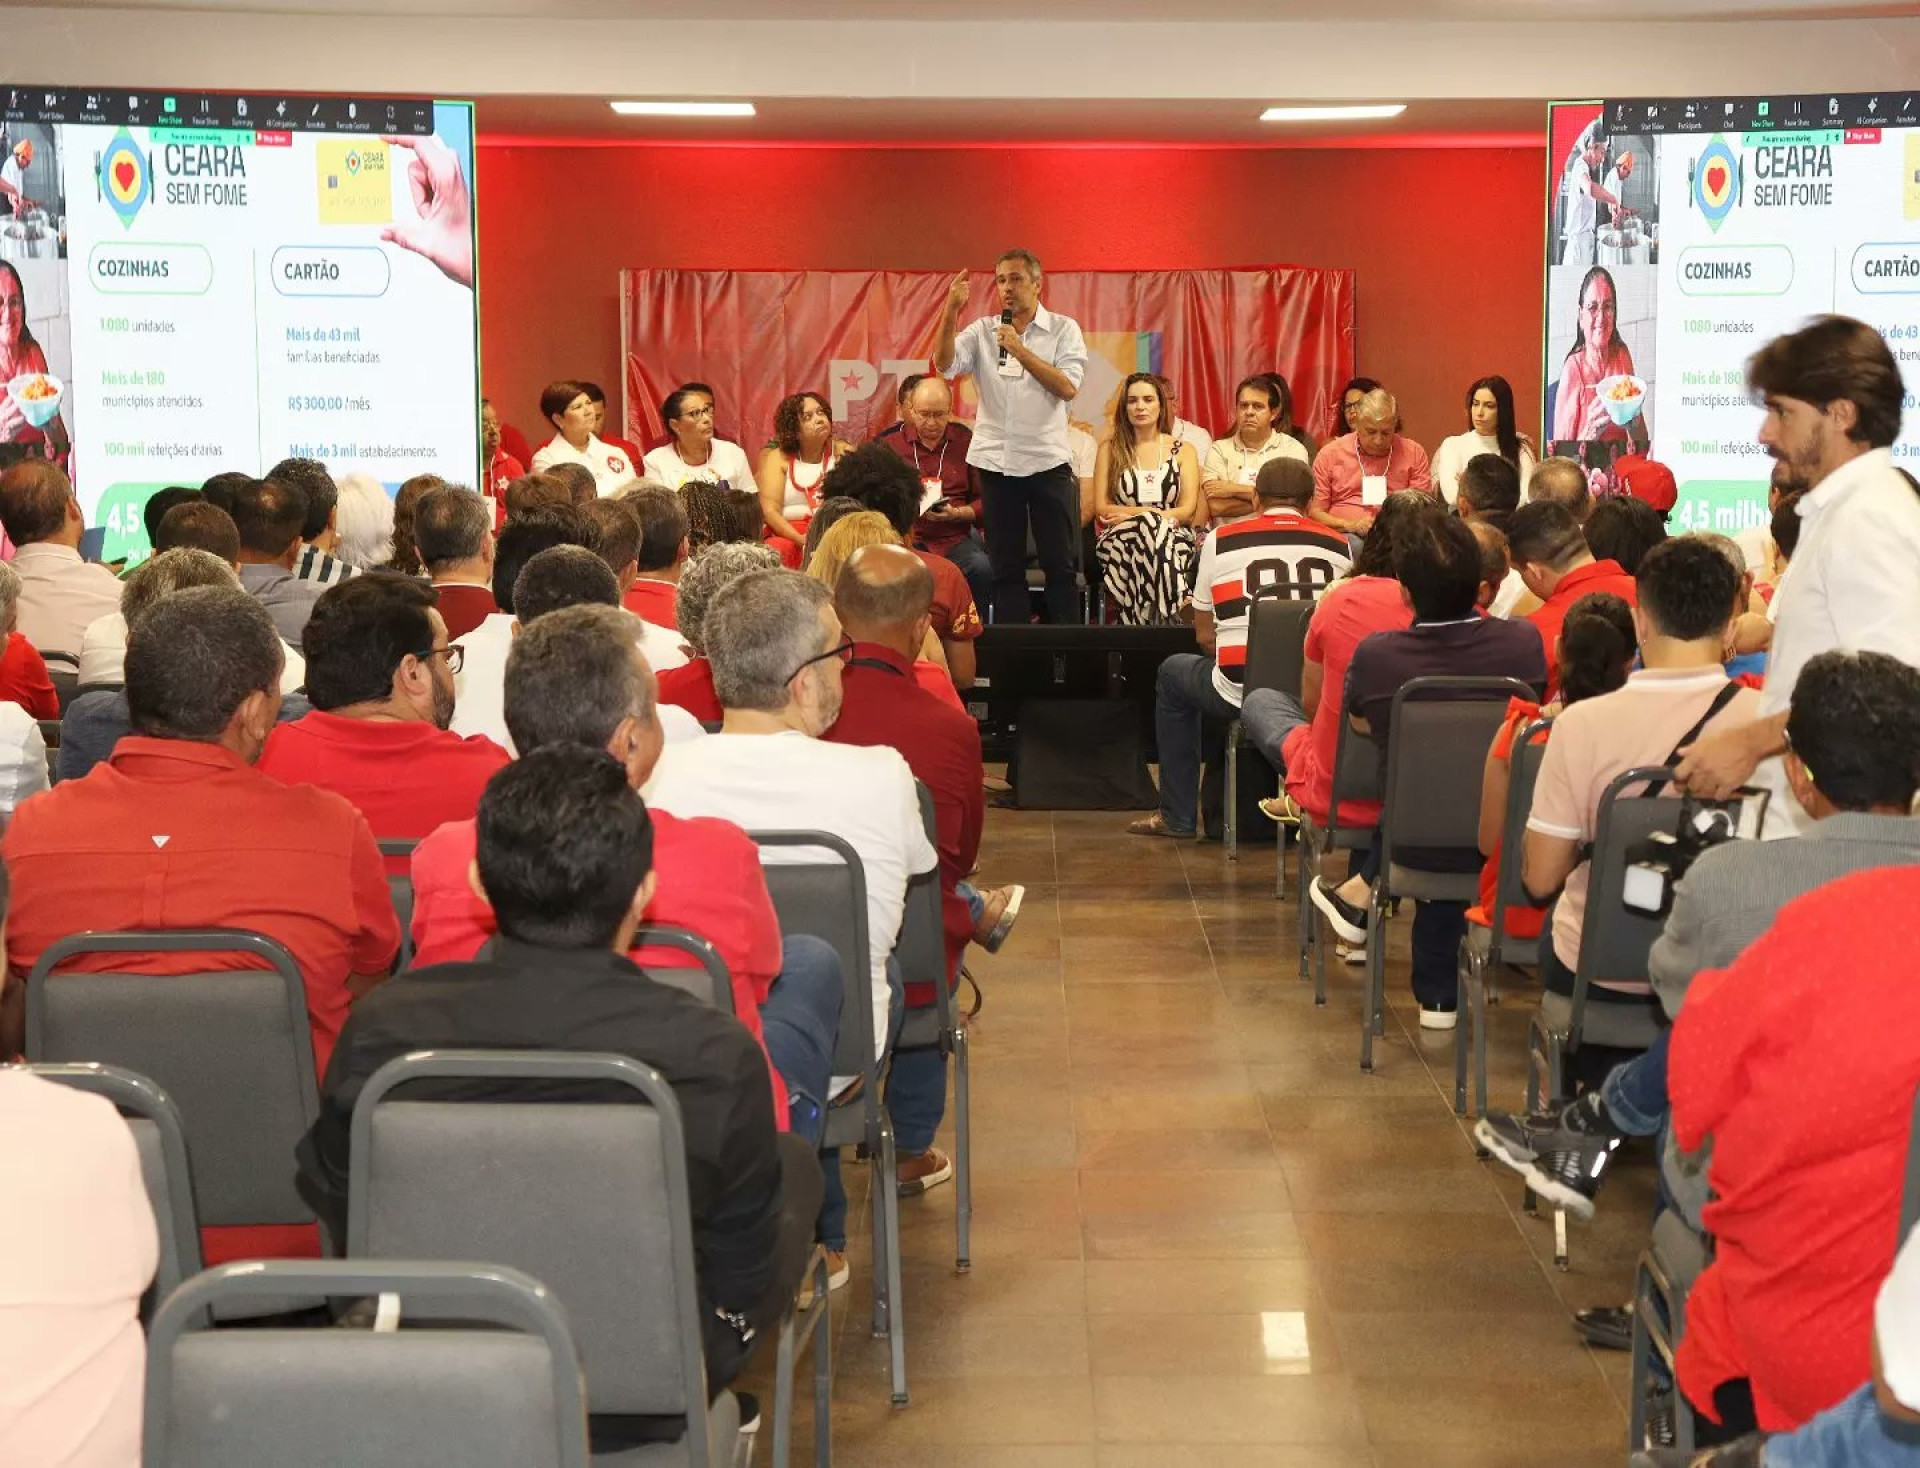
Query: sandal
1153	826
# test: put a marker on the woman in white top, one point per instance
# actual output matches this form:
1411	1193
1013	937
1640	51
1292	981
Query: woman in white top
1147	494
803	454
1490	430
572	413
1261	412
691	451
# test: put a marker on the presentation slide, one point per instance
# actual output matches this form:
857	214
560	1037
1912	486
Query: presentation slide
194	282
1683	234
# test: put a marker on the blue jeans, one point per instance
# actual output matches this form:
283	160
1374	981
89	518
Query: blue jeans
976	904
1636	1093
832	1226
1849	1434
970	555
1270	715
800	1019
1183	696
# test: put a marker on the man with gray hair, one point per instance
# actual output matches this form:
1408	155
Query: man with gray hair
778	651
1563	482
23	672
713	567
1026	367
1354	474
453	532
575	677
179	830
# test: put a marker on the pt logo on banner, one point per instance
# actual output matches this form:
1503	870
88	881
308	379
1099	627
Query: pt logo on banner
851	380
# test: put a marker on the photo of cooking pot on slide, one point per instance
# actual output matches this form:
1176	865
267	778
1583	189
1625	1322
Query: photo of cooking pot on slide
33	199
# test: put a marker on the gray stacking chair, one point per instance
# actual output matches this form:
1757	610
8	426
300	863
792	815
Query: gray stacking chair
400	889
1277	618
828	899
1673	1260
1436	756
922	955
232	1048
496	1386
160	1139
590	1197
1484	951
711	981
1358	775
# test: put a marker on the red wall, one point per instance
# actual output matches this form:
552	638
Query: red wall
1446	242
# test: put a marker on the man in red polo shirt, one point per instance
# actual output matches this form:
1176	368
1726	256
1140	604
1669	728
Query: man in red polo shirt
1550	553
1354	474
575	676
453	532
928	439
179	830
380	679
691	687
884	600
663	554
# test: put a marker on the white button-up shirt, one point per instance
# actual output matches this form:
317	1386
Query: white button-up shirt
60	596
1022	428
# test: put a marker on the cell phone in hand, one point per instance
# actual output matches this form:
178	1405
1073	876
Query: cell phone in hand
93	543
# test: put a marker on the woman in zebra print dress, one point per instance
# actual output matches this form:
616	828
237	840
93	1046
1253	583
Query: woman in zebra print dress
1146	493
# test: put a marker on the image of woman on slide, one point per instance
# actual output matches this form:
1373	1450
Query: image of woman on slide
20	354
804	450
1598	352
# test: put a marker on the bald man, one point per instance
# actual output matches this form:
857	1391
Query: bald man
1562	481
884	600
927	438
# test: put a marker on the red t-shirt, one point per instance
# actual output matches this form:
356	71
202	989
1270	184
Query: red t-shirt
504	469
709	881
955	618
1349	613
1522	921
656	601
463	606
406	778
941	745
24	680
691	688
1551	615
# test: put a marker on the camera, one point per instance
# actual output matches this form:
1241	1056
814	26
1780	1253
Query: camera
1656	865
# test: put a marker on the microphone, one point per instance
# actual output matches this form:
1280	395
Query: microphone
1006	319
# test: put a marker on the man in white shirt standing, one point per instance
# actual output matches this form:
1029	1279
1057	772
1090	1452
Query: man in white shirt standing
777	651
1026	367
1584	195
60	594
1833	399
1616	184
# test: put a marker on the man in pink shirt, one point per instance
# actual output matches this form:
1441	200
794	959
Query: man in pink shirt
1355	473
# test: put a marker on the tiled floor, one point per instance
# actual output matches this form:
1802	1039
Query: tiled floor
1201	1235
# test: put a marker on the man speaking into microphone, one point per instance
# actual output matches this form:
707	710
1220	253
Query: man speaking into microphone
1026	368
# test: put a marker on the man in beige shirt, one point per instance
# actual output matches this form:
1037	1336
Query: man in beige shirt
60	594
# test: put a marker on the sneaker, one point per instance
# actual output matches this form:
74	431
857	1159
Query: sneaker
1346	954
838	1273
919	1171
1605	1327
1342	916
1000	912
1438	1019
1570	1178
749	1413
1516	1140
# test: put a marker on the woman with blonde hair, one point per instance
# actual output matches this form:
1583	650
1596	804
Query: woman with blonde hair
1146	496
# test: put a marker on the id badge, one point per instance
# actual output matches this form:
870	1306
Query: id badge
1373	490
1153	489
931	493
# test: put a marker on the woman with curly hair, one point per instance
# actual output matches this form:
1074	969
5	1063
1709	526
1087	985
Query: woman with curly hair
803	453
406	558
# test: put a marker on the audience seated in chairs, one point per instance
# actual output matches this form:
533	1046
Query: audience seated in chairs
1276	543
96	720
380	682
860	531
1437	561
179	830
318	561
884	599
574	676
778	652
882	481
59	593
564	852
618	539
1551	555
1563	482
70	1340
1678	693
365	516
453	531
268	515
690	688
663	552
23	672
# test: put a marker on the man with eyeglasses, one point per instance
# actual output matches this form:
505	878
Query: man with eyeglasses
927	438
380	680
778	652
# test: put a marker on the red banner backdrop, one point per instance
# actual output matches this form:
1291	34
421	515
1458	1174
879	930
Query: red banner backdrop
755	336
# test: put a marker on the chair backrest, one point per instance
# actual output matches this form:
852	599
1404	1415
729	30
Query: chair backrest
1277	621
589	1196
1615	939
466	1392
63	671
1359	774
160	1139
922	949
233	1049
400	889
711	981
50	736
1436	755
1523	773
827	898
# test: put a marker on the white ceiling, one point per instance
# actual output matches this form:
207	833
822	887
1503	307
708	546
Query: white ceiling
1582	12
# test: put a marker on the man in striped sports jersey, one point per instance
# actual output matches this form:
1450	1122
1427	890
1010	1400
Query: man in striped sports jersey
1278	545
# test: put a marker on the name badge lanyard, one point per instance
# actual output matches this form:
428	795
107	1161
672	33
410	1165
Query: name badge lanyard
811	496
939	465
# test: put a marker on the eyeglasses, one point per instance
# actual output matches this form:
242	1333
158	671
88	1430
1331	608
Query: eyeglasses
455	656
843	650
